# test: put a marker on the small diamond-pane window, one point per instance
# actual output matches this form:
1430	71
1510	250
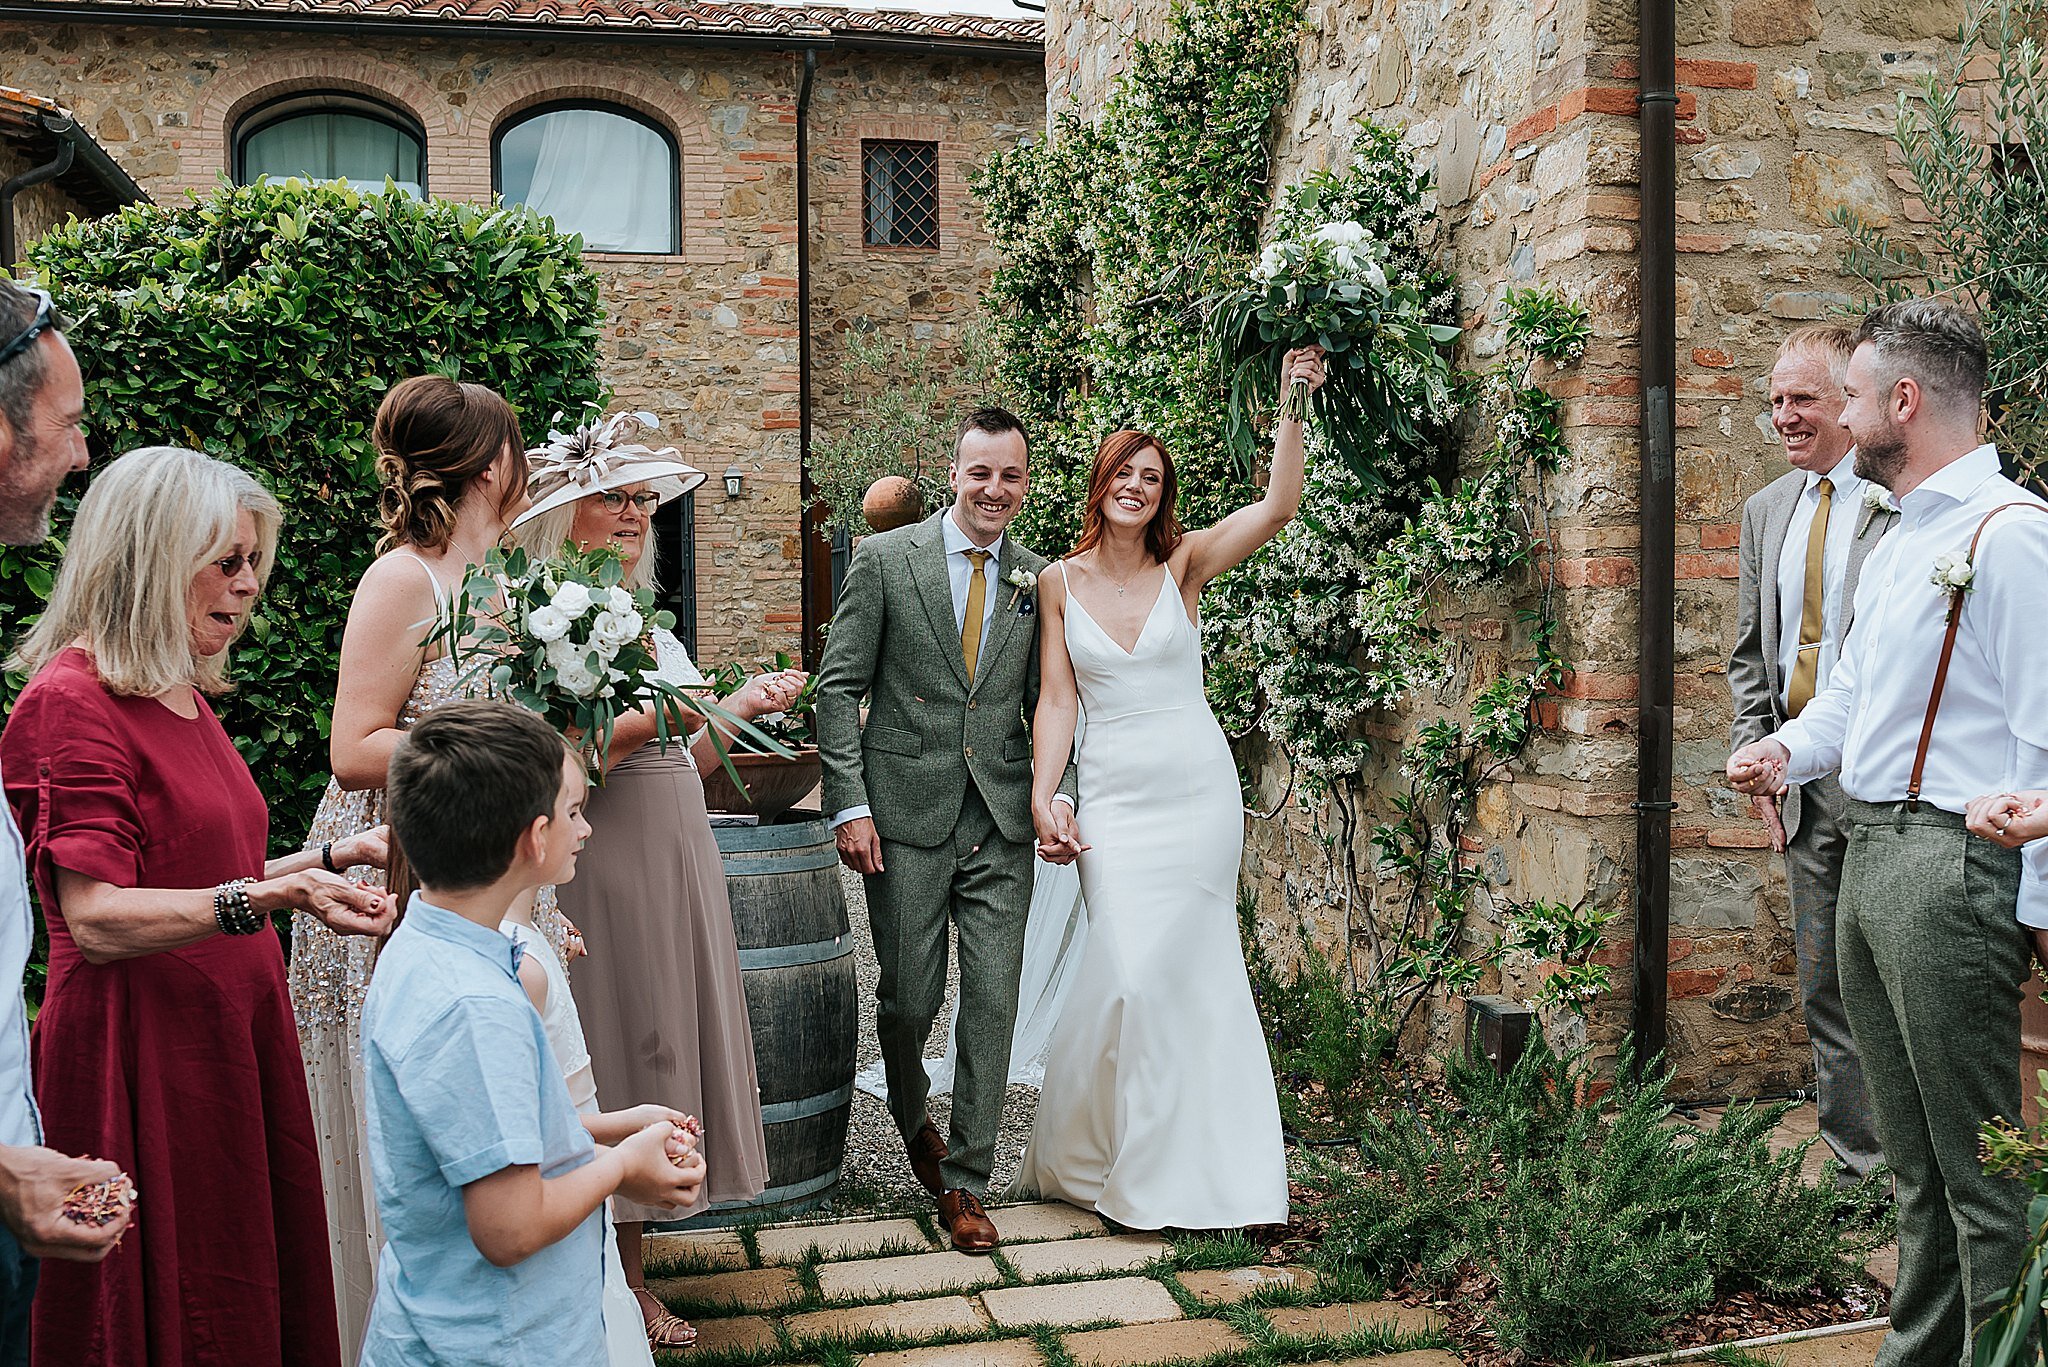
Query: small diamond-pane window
900	193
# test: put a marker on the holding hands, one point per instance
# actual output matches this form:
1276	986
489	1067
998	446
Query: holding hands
1059	834
2010	819
766	694
1758	768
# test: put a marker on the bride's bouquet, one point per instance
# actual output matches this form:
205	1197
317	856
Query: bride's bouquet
564	638
1328	287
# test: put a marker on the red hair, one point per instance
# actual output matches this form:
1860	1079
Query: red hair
1118	449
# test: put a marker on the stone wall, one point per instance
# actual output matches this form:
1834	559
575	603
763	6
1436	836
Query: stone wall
1525	110
707	337
38	208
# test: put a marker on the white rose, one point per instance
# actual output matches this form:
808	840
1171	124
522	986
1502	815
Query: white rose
563	652
614	629
578	679
618	599
1272	261
1952	571
548	623
1375	277
1345	234
573	599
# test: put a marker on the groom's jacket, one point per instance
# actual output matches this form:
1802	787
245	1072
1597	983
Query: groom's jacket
894	643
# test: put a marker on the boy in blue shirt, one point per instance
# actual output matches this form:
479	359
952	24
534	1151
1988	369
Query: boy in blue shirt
489	1187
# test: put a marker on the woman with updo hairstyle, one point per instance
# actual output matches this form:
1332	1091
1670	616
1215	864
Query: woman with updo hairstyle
453	469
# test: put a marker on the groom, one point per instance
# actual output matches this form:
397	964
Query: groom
937	629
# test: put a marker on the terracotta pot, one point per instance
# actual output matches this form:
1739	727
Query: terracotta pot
892	501
774	784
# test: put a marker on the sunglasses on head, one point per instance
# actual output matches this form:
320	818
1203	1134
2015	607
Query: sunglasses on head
45	319
230	566
646	500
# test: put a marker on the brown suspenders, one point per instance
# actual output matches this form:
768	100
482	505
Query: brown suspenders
1948	649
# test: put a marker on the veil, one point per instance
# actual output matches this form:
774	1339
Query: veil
1054	934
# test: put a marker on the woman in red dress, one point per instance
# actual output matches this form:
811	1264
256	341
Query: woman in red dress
166	1041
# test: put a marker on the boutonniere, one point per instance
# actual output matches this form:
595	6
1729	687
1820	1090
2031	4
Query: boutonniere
1952	572
1877	500
1025	583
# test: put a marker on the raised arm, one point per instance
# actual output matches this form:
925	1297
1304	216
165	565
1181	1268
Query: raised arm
1210	551
1052	724
381	656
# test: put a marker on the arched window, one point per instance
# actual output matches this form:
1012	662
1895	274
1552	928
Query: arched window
603	172
326	136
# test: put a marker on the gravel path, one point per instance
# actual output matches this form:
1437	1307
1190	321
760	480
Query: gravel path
877	1176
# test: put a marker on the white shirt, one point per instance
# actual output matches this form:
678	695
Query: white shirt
1845	515
1991	734
959	575
20	1123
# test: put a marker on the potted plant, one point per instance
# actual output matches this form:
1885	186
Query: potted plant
773	783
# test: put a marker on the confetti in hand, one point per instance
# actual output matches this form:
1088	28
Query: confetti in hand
99	1204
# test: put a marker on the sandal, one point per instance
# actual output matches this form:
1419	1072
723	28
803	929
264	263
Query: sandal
666	1331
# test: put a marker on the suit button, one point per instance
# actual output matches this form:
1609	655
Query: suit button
970	752
972	704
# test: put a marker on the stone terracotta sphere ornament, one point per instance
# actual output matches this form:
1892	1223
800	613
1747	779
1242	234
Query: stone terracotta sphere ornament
890	502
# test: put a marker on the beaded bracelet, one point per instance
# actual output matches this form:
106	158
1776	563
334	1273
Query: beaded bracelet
327	857
233	911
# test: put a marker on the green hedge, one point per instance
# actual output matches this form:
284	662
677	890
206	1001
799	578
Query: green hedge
263	324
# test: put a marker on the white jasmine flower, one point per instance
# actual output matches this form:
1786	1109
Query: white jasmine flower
548	623
1952	572
573	599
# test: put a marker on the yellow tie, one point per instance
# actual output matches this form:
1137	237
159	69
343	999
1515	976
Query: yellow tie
970	625
1806	671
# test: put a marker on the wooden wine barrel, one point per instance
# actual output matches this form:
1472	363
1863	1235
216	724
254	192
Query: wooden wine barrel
2033	1048
796	960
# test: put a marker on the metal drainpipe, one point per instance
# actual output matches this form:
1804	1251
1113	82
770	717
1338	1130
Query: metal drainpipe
809	538
1658	113
34	176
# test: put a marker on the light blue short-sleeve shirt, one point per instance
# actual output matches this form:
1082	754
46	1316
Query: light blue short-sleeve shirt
462	1084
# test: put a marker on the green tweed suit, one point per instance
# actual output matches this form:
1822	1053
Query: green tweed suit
944	763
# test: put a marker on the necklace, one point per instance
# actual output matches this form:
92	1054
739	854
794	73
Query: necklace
1127	579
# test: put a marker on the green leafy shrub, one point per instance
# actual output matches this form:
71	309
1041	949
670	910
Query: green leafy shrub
1595	1217
263	324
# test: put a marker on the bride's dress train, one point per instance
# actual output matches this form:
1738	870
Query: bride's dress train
1158	1107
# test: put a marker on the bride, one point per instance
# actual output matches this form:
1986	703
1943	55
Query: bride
1158	1108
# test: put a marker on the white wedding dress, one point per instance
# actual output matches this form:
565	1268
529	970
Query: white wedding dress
1158	1108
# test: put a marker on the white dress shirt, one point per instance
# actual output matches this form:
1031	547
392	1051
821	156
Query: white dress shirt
19	1121
1991	734
959	575
1845	515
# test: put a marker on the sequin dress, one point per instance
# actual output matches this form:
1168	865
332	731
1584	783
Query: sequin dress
329	976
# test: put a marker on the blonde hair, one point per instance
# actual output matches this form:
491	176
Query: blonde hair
151	521
1829	343
545	535
434	437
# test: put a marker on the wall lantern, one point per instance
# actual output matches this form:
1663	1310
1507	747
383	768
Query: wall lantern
734	477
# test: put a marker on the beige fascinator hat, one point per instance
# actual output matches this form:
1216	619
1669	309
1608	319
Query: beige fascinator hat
601	455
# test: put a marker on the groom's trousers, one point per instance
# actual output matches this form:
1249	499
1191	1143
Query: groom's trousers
982	883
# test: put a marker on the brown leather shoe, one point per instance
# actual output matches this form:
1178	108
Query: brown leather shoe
967	1221
927	1149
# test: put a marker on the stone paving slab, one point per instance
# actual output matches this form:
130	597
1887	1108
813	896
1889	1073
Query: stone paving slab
914	1274
1138	1344
717	1249
855	1239
1421	1357
766	1289
1235	1284
1043	1220
1309	1321
1125	1300
992	1353
912	1319
748	1332
1085	1257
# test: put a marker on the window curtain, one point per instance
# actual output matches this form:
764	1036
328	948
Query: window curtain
603	175
881	189
344	147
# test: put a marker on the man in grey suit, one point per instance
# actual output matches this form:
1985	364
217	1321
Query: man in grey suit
1819	516
937	630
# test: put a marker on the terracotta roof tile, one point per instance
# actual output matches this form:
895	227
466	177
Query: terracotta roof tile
669	16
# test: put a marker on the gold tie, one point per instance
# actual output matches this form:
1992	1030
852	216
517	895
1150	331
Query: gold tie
1806	671
970	625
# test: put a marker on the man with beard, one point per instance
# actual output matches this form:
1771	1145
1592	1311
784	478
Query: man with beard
1934	702
42	438
1805	536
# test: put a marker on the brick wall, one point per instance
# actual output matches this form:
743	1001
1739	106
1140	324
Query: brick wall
1525	110
708	337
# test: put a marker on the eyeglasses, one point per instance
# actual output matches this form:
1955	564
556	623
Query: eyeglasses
232	565
646	500
45	319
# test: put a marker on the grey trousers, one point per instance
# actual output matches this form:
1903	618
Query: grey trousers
981	882
1932	963
1813	875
